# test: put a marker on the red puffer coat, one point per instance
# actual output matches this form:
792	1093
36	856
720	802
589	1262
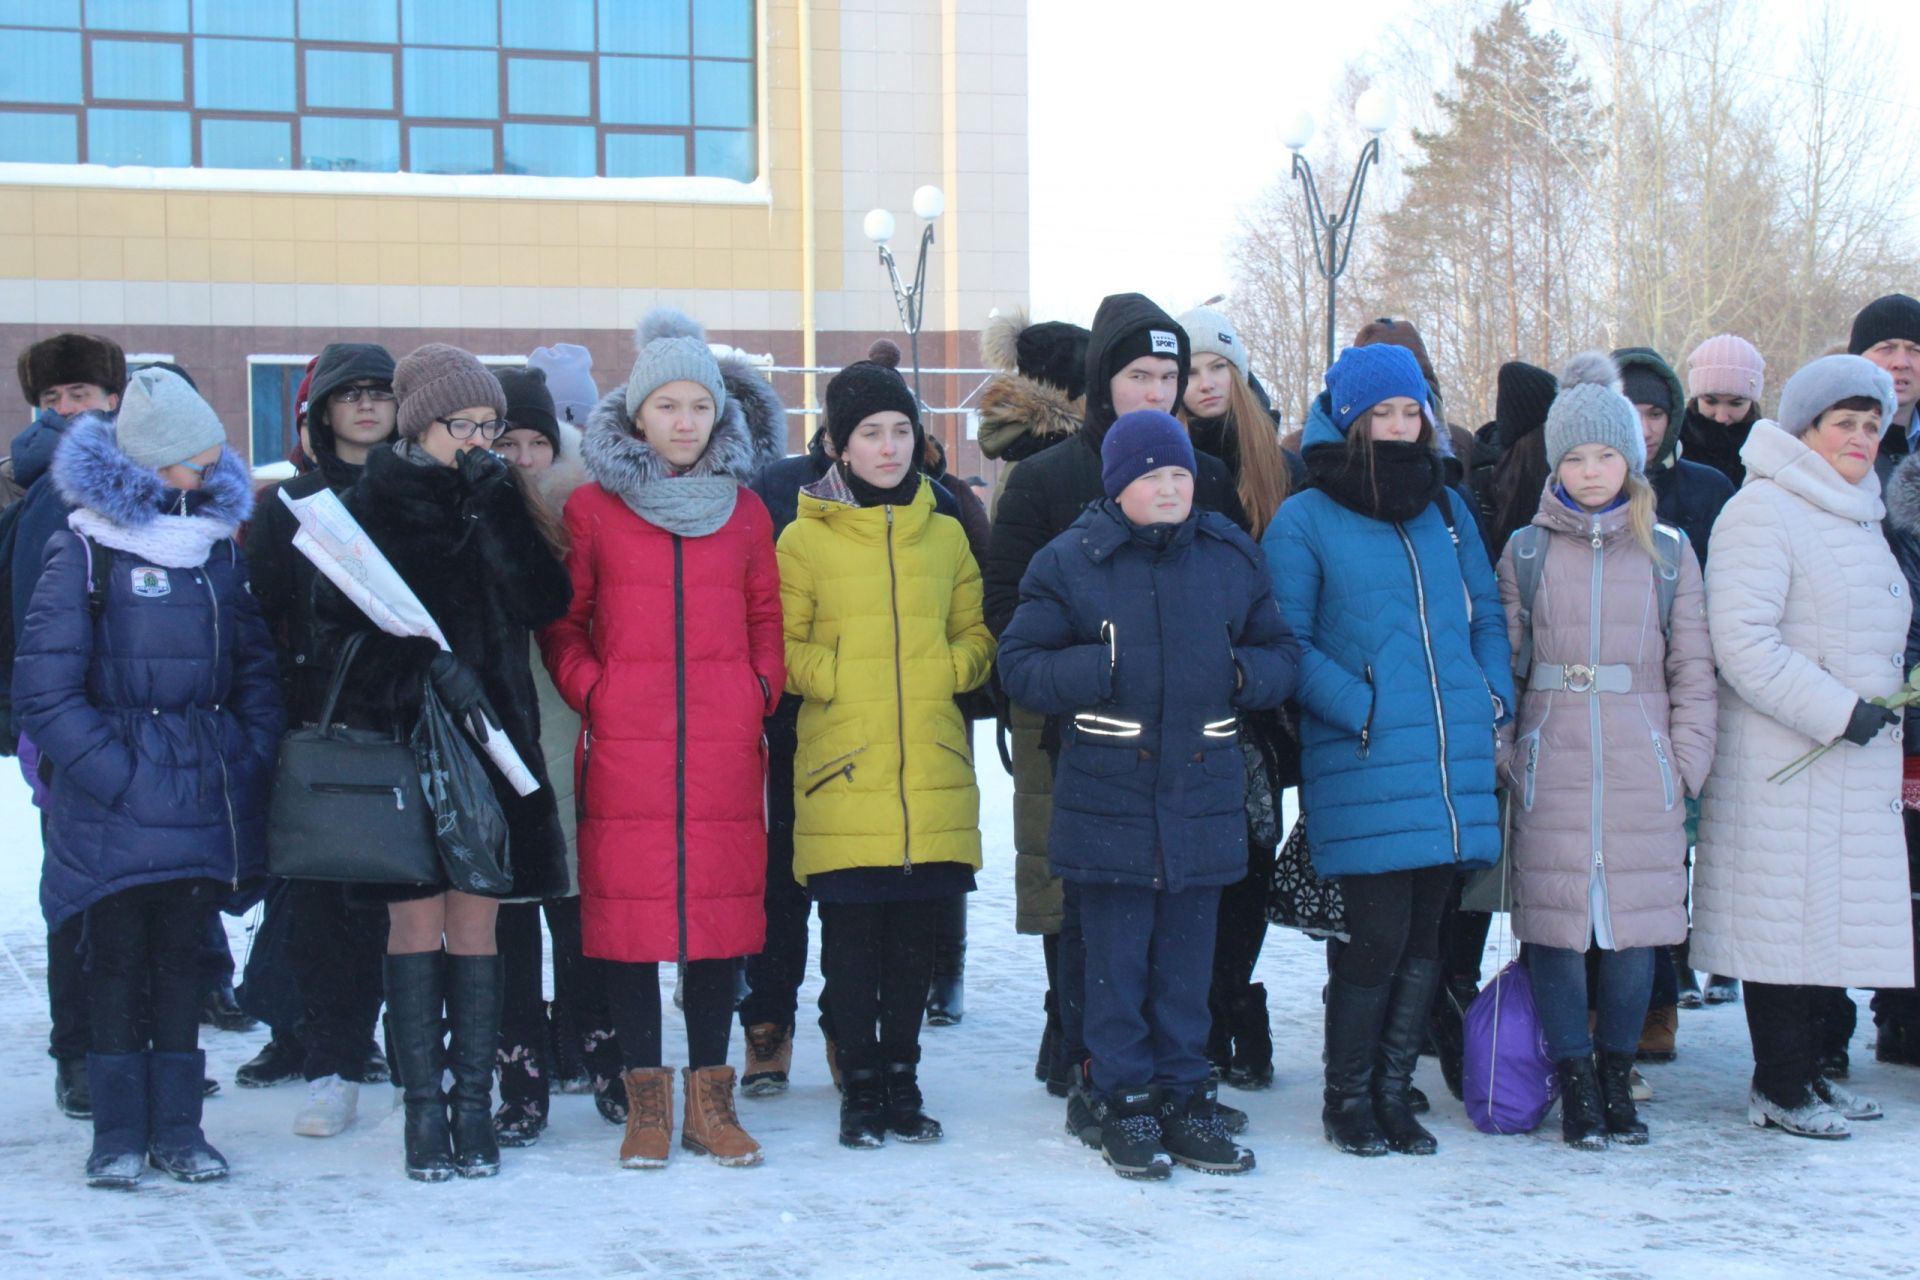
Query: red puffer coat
672	653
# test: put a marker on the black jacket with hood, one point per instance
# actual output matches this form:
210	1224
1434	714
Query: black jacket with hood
1047	492
1689	495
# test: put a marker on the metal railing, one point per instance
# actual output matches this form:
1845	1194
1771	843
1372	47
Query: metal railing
961	409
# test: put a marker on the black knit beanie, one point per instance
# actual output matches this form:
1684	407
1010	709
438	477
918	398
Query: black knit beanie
1894	316
529	403
861	390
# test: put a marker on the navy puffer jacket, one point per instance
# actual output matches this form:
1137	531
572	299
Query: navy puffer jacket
160	719
1151	788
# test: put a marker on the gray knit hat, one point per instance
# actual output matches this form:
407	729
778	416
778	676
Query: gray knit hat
1590	409
1210	333
673	348
435	380
163	420
1824	383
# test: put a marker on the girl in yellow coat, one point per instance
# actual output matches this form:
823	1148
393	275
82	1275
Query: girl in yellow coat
883	627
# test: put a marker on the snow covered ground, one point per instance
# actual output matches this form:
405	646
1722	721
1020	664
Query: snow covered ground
1007	1191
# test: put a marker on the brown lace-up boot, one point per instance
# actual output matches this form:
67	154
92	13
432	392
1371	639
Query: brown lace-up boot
710	1127
649	1118
769	1059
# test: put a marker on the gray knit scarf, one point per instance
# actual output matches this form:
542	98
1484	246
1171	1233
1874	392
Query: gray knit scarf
691	506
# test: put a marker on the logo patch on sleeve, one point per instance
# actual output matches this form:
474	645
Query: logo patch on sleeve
1164	343
151	582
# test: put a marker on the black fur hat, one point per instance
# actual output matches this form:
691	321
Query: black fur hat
72	357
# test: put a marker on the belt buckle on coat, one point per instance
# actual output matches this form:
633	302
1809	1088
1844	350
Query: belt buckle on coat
1578	678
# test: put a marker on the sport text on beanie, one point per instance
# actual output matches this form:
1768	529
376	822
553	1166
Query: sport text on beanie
164	421
1591	409
1726	365
435	380
1142	441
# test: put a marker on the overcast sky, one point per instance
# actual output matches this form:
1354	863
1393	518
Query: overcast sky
1151	125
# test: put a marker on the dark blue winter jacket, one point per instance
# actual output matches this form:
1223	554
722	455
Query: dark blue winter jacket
160	718
1403	652
43	513
1135	639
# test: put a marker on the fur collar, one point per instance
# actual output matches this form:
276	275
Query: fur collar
766	417
90	471
568	472
1902	495
1015	408
621	461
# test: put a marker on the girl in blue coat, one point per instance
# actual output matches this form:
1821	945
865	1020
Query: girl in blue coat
1146	629
1404	672
147	679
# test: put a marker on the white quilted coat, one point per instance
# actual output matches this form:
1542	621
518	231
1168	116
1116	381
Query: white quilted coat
1806	881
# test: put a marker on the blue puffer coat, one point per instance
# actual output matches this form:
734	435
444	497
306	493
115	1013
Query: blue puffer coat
161	717
1403	653
1151	788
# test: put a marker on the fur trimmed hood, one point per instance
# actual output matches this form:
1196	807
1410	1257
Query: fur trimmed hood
1014	408
747	389
1902	496
620	461
568	472
90	471
999	339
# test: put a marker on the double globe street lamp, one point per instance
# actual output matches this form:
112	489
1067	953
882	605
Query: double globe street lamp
1333	237
929	202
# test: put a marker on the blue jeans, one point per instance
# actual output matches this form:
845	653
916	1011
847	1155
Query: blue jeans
1560	996
1149	958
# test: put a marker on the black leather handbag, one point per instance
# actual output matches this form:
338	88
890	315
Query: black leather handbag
347	803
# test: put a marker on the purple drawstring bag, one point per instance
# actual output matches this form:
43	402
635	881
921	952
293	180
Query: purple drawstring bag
29	756
1506	1072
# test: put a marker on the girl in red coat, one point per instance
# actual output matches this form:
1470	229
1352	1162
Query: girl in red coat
672	655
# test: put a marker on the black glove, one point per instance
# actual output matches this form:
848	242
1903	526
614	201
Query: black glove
483	472
460	690
1867	720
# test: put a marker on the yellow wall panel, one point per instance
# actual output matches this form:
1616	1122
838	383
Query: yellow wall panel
16	212
598	267
356	220
276	261
712	269
520	222
16	257
480	264
316	263
313	220
359	264
101	258
146	257
399	221
520	268
560	225
56	257
559	266
673	227
635	268
187	260
635	225
231	262
479	222
188	214
399	264
439	264
230	217
597	225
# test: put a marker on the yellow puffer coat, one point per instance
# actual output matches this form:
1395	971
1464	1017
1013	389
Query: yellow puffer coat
884	626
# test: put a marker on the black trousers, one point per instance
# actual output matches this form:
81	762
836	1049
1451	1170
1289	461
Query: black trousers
579	982
1242	927
143	972
72	1035
1900	1007
775	975
706	997
878	958
337	952
1391	916
1782	1022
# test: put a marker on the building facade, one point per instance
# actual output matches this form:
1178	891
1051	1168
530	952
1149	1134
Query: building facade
231	184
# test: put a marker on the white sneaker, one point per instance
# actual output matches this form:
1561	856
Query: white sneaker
1812	1119
331	1102
1637	1087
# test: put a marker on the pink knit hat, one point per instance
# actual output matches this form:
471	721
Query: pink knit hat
1728	366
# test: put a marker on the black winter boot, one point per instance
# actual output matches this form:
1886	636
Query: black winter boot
1354	1018
1616	1099
905	1120
947	993
1129	1122
602	1057
474	987
1582	1123
1400	1037
72	1088
1446	1029
120	1123
525	1092
416	997
1083	1120
863	1105
1192	1134
281	1060
1252	1064
175	1144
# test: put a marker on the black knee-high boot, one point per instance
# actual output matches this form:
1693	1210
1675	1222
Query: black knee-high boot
1400	1039
416	995
473	1013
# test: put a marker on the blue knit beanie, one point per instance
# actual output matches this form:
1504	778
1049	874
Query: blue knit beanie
1364	376
1142	441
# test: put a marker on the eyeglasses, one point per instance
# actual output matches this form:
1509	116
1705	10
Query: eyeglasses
463	428
200	469
373	395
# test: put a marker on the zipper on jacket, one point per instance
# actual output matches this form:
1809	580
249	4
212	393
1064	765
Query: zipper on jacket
361	789
1433	677
226	783
680	740
1666	769
1373	702
844	771
1593	699
586	759
899	702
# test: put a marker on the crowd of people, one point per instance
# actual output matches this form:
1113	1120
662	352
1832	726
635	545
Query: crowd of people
744	685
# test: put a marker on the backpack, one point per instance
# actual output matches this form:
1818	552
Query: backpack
1529	545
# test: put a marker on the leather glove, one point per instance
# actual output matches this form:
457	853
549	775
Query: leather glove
459	688
1868	720
483	472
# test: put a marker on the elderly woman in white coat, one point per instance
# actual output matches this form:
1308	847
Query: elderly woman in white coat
1802	884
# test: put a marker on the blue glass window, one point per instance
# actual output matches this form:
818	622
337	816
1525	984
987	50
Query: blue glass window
646	155
246	144
243	18
723	93
437	150
40	66
35	137
40	13
359	22
643	26
243	75
723	153
643	91
141	70
137	15
163	139
565	25
349	145
449	22
549	87
723	28
451	83
348	81
549	150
